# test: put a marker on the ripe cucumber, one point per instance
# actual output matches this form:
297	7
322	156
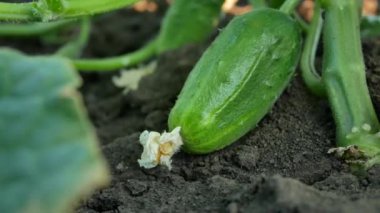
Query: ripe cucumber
188	21
237	80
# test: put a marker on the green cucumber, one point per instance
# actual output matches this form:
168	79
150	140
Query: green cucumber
188	21
237	80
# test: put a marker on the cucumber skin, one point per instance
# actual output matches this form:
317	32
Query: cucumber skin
187	22
237	80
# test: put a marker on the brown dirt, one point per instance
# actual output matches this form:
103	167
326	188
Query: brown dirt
280	166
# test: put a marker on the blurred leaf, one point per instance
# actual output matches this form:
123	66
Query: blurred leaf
275	3
258	3
370	26
48	150
188	22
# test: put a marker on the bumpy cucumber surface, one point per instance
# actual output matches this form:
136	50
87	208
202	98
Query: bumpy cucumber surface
188	21
237	80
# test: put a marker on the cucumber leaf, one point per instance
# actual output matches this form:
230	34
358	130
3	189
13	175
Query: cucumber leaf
48	150
370	26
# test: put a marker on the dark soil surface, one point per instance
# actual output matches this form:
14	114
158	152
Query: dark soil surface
280	166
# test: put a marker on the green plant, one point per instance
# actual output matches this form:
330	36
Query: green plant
46	135
48	10
179	27
343	81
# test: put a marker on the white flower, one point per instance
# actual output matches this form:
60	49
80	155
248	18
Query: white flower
129	79
159	149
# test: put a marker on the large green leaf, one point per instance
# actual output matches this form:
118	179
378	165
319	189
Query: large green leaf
48	150
370	26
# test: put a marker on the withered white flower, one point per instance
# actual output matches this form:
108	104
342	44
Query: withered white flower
159	149
129	79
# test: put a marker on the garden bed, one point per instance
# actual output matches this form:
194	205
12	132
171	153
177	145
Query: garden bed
282	165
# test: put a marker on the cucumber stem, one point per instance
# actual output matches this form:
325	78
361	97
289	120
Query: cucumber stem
117	62
74	48
17	11
32	29
345	80
76	8
289	6
310	76
303	24
48	10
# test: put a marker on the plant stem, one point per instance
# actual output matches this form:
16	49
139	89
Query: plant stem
289	6
303	24
74	48
17	11
345	80
76	8
118	62
311	77
48	10
32	29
